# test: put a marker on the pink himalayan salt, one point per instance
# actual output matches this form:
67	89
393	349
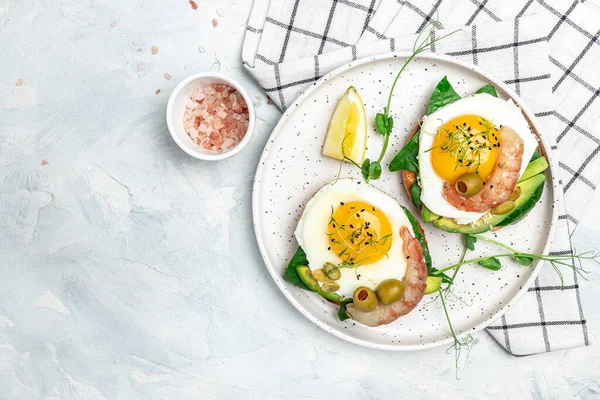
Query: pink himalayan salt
216	117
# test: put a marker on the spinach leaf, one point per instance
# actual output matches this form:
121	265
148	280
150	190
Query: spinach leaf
342	313
489	89
536	155
406	159
524	260
470	241
493	264
419	236
443	94
415	194
290	273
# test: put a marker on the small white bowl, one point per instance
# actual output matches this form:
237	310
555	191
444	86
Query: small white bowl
176	109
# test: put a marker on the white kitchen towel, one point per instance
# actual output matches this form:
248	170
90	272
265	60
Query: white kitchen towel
548	51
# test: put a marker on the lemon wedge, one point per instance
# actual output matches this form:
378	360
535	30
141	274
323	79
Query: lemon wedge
347	130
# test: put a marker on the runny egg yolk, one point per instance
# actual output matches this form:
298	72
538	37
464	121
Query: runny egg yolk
359	233
465	144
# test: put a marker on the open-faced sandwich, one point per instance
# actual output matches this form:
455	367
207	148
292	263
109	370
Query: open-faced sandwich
360	249
472	164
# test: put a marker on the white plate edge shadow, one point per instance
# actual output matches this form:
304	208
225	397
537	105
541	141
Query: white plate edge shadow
278	278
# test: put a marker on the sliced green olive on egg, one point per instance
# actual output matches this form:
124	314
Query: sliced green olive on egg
468	184
320	275
364	299
332	271
330	287
390	290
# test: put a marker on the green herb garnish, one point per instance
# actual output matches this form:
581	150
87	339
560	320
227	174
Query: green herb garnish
384	121
492	262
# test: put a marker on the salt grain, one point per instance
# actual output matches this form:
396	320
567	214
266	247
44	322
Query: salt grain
220	12
168	76
216	117
154	50
113	24
201	49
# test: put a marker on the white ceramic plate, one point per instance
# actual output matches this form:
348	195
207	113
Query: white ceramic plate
292	168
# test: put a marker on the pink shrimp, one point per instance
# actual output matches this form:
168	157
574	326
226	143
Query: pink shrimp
501	182
414	287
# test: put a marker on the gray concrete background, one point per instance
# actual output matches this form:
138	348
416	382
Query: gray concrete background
130	270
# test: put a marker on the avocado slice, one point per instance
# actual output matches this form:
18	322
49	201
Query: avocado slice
534	167
428	215
531	191
306	275
433	284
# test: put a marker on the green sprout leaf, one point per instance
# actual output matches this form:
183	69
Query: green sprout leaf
382	124
524	260
375	170
365	169
492	263
470	241
390	124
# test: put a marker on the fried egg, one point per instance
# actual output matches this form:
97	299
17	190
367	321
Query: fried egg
356	226
445	155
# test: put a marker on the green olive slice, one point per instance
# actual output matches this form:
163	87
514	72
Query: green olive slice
330	287
332	271
504	208
320	275
468	184
390	290
364	299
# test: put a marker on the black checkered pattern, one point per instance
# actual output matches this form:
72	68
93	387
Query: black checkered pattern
547	50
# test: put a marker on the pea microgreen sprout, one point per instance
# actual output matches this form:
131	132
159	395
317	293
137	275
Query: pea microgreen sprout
383	121
493	263
467	342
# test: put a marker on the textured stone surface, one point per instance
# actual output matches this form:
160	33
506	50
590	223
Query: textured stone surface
130	270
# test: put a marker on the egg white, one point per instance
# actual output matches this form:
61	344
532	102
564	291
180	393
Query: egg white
312	237
495	110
